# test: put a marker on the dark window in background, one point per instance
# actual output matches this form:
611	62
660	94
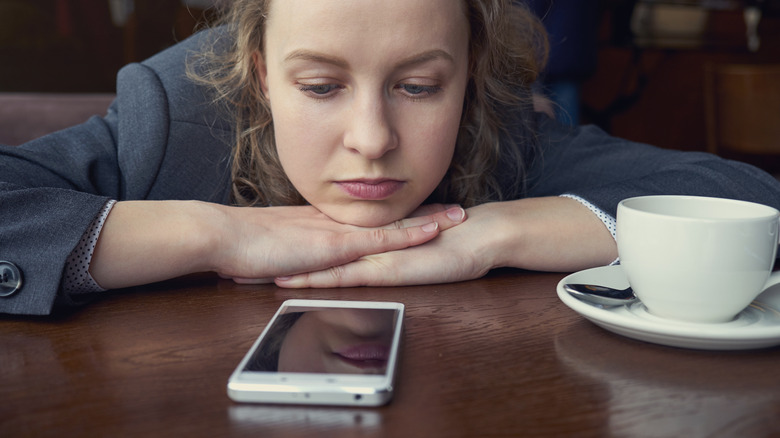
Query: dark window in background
78	45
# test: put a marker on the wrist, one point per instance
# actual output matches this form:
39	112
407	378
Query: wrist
551	234
215	246
147	241
486	237
503	237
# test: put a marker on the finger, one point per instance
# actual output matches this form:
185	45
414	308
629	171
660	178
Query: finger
358	273
427	209
445	218
355	245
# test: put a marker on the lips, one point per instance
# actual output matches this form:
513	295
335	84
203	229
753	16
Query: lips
370	189
370	356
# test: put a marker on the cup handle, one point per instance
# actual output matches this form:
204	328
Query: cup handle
774	278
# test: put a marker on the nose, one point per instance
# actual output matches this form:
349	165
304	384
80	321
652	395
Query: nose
370	131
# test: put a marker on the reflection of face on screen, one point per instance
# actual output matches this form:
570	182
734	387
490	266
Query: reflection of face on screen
345	341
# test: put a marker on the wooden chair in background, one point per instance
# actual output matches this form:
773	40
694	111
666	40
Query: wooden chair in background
26	116
743	113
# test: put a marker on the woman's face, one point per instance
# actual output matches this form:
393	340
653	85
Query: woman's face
366	97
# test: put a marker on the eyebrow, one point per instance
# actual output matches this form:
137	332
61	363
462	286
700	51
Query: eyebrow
419	58
307	55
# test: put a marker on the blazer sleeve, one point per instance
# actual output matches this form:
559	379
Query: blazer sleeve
160	139
50	191
604	170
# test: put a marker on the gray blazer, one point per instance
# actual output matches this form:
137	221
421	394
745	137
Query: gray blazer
163	139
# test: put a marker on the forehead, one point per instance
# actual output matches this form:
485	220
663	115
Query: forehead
377	25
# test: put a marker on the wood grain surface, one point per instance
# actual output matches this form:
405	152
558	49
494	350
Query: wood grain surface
496	357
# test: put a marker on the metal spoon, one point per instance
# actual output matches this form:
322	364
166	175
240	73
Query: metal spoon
601	295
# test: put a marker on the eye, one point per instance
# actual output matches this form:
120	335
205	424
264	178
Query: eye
418	90
318	90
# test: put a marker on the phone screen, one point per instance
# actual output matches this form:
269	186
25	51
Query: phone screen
326	340
323	352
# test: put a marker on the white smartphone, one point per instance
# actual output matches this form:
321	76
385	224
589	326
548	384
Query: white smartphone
323	352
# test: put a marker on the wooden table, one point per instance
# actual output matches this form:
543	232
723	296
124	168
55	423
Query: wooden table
501	356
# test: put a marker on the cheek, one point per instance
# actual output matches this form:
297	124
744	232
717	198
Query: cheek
301	143
290	144
432	144
436	158
291	157
300	132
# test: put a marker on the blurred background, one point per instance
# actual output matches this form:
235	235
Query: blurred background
646	70
79	45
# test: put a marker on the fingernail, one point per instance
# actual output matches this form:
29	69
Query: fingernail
457	214
431	227
287	278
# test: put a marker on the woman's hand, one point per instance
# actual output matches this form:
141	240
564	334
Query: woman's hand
553	234
281	241
147	241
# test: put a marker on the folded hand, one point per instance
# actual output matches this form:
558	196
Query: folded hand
283	241
451	256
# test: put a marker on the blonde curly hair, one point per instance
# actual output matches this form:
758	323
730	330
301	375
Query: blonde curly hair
507	50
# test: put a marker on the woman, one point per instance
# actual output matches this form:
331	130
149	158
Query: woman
354	125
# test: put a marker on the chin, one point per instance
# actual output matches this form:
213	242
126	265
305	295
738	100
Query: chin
365	216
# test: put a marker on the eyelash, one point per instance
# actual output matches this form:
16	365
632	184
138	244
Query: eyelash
424	91
313	88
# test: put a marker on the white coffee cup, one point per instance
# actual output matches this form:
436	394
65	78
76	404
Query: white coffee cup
697	259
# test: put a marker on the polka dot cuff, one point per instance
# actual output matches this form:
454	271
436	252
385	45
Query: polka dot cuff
605	218
77	279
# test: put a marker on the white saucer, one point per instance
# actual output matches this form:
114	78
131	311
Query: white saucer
758	326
